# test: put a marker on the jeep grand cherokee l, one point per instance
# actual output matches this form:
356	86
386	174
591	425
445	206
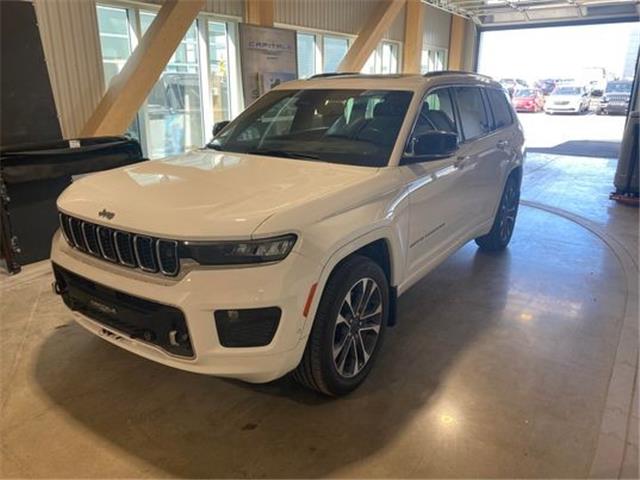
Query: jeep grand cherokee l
283	245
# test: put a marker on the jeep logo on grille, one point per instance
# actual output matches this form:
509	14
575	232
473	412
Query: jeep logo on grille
106	214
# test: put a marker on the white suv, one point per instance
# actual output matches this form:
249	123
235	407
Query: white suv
285	243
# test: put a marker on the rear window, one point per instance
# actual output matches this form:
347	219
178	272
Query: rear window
500	107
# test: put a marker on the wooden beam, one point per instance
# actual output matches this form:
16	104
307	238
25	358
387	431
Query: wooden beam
259	12
456	42
413	32
370	35
130	88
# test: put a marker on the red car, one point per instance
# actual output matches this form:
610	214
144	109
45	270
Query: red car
528	100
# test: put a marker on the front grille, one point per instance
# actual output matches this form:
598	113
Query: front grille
140	319
135	251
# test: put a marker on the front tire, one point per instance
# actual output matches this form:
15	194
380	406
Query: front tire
348	328
500	234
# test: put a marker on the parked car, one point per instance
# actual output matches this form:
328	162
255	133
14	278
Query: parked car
284	245
528	100
567	99
616	98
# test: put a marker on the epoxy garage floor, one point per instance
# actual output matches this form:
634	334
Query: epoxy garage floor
521	364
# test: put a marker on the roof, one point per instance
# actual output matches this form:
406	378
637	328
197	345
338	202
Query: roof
389	82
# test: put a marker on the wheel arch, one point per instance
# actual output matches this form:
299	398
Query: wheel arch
376	246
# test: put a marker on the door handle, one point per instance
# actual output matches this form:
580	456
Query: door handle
502	144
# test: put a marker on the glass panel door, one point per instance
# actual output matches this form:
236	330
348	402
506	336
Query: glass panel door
306	55
116	46
389	58
335	48
219	71
173	112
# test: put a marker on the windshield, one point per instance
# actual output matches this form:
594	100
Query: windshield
567	91
525	92
618	87
354	127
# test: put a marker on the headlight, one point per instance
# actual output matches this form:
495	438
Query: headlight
239	252
604	100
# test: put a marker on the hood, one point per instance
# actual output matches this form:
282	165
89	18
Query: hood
205	194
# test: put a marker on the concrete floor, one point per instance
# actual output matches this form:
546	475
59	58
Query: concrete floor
501	366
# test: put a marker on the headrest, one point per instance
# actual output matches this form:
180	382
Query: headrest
331	109
387	109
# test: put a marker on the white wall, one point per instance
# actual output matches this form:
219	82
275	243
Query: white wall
437	27
68	29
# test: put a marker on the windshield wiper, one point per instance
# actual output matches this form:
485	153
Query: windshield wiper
285	154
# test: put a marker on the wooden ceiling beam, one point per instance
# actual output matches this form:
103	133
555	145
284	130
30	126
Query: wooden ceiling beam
370	35
259	12
413	37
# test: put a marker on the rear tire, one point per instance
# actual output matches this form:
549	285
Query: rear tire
347	333
500	234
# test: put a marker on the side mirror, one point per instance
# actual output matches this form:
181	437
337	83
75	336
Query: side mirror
217	127
431	146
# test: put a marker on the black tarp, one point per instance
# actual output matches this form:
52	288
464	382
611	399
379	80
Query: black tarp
34	175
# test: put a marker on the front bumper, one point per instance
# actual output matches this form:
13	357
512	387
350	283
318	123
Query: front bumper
619	109
563	108
197	295
525	107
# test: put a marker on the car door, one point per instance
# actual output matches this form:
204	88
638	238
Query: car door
479	157
436	188
503	147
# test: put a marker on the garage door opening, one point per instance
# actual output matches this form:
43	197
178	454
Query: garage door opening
571	84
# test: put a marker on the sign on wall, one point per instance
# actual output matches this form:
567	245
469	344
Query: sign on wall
267	57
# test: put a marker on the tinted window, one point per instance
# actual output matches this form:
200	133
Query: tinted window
436	113
473	116
500	107
356	127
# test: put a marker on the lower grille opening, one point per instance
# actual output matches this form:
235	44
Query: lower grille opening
135	317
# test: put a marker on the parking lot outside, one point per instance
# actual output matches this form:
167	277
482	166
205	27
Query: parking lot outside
583	135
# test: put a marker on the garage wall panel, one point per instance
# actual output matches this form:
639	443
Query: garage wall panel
437	27
341	16
71	45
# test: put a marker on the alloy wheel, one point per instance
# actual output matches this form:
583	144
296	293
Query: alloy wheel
508	211
357	327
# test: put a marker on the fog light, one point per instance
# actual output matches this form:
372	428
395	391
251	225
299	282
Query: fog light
251	327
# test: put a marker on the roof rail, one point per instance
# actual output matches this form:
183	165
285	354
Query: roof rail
454	72
331	74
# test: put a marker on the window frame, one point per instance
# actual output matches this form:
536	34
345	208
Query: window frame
456	119
512	119
488	112
432	48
